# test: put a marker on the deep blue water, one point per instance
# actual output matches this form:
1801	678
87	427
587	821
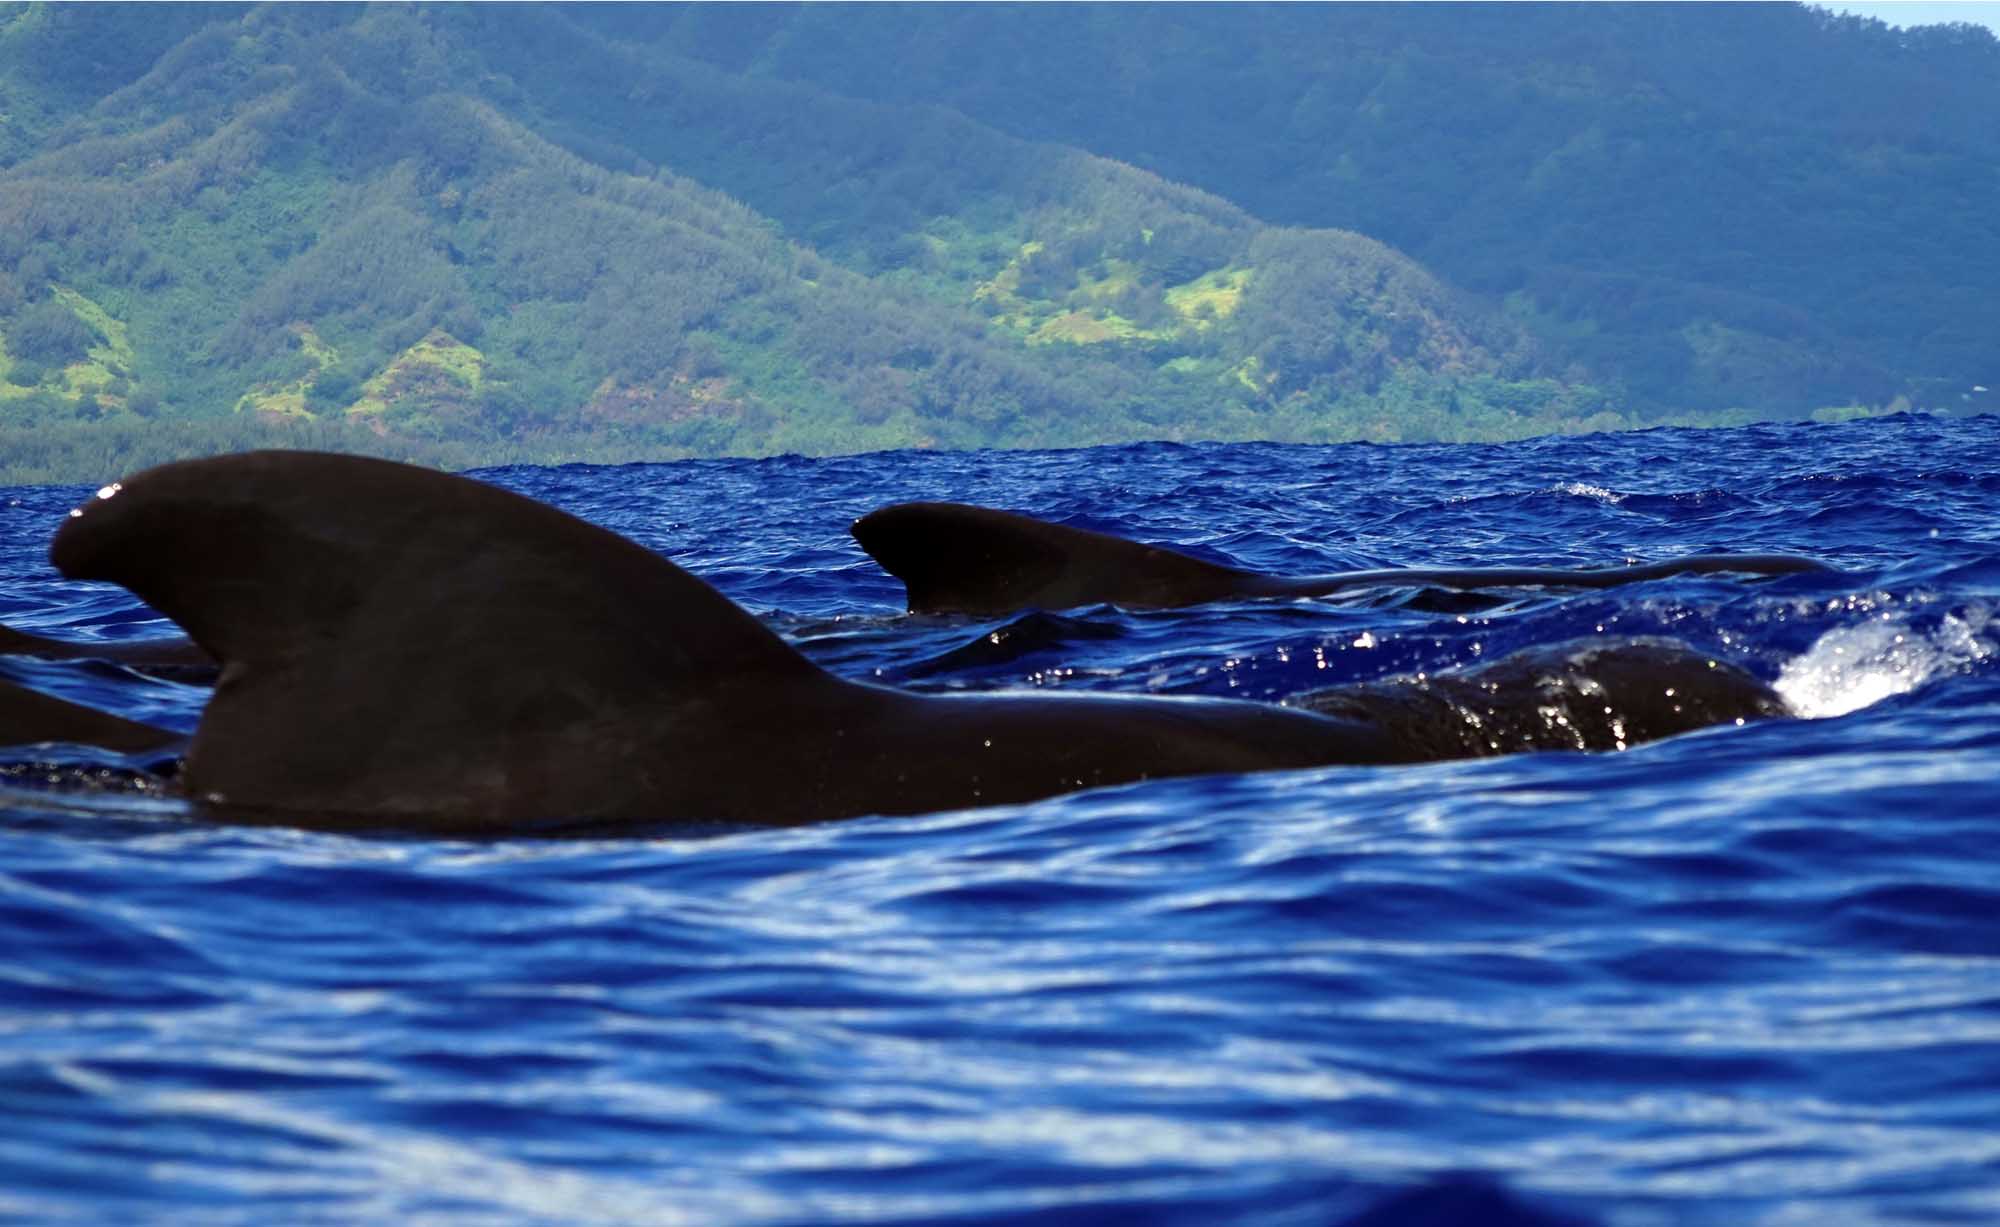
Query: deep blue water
1744	976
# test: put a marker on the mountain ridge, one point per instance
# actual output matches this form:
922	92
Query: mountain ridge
420	232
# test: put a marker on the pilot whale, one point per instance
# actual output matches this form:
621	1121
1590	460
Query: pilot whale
957	558
400	642
174	658
431	651
29	717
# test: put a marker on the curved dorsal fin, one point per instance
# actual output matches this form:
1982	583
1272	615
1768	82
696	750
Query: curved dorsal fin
376	619
956	558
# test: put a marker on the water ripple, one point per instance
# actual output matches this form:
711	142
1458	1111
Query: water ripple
1743	976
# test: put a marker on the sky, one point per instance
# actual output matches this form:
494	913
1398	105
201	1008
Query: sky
1925	12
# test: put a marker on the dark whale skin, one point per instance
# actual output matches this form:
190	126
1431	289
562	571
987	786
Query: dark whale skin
408	649
401	642
957	558
170	657
1582	694
29	717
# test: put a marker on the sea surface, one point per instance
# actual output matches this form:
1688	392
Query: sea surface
1749	975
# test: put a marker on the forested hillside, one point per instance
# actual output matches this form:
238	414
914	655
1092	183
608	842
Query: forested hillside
477	233
1763	205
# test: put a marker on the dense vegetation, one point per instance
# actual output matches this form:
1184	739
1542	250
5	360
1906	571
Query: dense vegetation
479	233
1764	205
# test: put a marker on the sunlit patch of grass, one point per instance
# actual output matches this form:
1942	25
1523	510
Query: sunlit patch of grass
8	390
1212	296
107	362
1251	374
438	368
1004	289
1118	277
115	350
1083	328
289	399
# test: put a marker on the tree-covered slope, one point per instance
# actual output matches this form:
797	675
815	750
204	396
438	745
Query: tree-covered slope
494	232
480	231
1761	205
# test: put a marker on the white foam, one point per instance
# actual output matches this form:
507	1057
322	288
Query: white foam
1851	667
1585	490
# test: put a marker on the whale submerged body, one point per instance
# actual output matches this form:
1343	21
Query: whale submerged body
957	558
29	717
429	650
172	658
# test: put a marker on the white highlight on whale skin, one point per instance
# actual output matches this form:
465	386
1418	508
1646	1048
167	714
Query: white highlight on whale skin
103	492
1852	667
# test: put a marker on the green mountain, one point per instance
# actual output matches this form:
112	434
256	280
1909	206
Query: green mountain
1757	205
479	233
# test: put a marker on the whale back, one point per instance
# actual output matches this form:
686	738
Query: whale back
1582	694
956	558
395	639
28	717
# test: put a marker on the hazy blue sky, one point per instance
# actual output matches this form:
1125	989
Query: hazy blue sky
1926	12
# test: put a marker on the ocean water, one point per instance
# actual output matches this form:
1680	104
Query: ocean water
1743	976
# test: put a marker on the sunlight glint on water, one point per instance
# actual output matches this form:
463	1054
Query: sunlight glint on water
1748	976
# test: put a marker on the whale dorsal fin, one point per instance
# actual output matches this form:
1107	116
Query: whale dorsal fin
956	558
378	620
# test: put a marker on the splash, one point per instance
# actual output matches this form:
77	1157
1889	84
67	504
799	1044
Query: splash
1852	667
1585	490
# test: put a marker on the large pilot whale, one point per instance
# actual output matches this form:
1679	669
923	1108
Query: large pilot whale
957	558
429	650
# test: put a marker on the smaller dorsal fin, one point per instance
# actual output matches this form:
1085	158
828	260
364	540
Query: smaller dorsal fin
955	558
